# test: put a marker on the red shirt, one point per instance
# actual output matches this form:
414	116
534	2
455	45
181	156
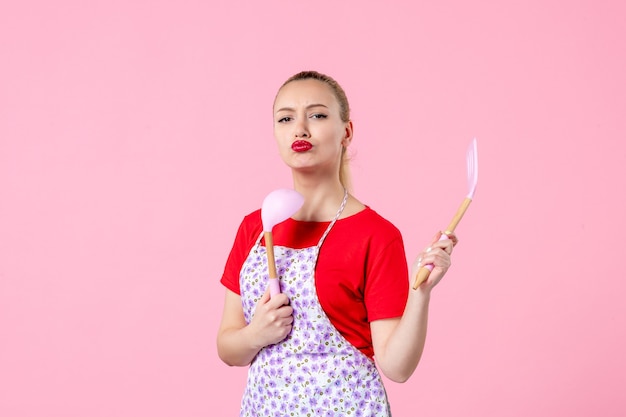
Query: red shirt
361	273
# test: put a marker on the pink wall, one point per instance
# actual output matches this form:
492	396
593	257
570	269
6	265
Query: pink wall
134	135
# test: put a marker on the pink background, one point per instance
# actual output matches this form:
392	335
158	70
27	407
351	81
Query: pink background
134	136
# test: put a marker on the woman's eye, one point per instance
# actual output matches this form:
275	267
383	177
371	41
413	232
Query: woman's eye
319	116
284	119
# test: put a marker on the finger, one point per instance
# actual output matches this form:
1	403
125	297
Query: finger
439	237
447	245
452	237
436	238
279	300
425	256
285	311
286	314
437	256
265	297
443	260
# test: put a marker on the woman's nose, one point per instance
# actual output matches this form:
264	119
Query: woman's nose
302	129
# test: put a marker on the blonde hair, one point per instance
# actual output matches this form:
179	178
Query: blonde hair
344	113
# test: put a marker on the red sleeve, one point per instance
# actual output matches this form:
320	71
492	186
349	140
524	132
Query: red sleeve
249	230
386	287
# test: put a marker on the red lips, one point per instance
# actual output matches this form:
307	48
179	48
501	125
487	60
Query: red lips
301	146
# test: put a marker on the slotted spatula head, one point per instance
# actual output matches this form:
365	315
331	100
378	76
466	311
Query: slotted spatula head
472	168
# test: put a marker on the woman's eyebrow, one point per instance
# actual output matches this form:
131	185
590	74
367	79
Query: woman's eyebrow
307	107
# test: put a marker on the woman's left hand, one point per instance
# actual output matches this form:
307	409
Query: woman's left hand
438	254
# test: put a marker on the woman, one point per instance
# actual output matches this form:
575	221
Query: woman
345	289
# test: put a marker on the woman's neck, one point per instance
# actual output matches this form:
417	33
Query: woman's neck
321	199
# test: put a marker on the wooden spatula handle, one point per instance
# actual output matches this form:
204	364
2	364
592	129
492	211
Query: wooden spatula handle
459	215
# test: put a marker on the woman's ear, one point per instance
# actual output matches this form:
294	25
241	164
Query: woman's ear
349	132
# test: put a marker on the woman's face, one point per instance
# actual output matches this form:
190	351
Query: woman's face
308	127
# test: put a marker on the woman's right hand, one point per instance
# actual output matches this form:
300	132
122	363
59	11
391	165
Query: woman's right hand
272	319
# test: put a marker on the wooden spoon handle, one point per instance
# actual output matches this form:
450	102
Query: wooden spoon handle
271	264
